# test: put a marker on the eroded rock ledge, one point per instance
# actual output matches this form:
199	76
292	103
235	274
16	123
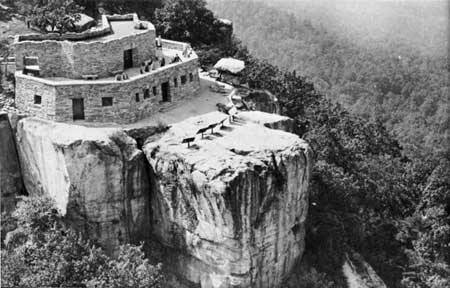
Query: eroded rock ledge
231	208
234	203
97	177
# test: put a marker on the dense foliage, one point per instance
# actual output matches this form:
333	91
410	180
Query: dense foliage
391	79
47	15
42	252
55	16
368	193
365	193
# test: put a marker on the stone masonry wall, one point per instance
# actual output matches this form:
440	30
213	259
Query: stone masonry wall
27	89
125	108
74	59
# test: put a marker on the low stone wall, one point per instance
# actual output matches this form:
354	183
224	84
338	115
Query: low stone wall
102	30
169	44
74	59
26	90
57	97
83	54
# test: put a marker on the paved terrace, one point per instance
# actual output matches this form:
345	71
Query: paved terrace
203	102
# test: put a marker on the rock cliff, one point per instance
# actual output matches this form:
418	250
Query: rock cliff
233	205
97	177
11	184
230	208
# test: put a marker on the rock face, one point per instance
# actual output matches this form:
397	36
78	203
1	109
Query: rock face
230	208
11	184
233	205
97	177
273	121
263	100
359	273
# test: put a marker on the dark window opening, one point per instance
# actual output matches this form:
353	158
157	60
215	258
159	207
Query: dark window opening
37	99
127	59
183	79
137	97
78	108
175	82
146	93
191	77
165	90
154	90
107	101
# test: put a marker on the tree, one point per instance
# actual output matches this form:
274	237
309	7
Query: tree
188	20
42	252
427	233
55	15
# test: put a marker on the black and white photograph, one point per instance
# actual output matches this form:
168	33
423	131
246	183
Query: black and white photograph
225	143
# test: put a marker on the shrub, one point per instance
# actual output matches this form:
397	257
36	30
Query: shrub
49	255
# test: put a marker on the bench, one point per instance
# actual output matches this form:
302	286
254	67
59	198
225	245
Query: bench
203	130
212	126
188	141
33	69
115	72
90	77
222	123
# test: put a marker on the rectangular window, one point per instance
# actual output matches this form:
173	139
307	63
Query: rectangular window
175	82
154	90
146	93
37	99
183	79
107	101
191	77
137	97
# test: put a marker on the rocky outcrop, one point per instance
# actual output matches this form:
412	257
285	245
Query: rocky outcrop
359	273
263	100
11	184
273	121
97	177
233	204
230	209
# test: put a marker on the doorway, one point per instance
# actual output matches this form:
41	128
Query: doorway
127	59
78	109
165	91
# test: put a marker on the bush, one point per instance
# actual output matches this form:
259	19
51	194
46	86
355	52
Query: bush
48	254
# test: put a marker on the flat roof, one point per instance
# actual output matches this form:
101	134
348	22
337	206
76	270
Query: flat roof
111	27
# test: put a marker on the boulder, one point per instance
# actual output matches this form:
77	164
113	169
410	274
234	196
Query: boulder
233	205
97	177
11	184
273	121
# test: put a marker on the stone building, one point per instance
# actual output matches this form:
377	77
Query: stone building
118	71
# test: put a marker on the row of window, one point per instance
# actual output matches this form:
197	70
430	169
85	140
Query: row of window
175	84
183	79
108	101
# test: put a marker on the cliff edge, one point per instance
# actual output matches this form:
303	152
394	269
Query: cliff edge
230	207
234	202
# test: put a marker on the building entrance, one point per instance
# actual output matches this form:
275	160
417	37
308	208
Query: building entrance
127	59
78	109
165	91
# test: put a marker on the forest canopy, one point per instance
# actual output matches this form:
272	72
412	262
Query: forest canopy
391	79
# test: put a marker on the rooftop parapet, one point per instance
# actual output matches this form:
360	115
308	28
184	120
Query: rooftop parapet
103	29
97	51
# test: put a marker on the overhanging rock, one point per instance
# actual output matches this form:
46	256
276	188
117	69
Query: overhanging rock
234	203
